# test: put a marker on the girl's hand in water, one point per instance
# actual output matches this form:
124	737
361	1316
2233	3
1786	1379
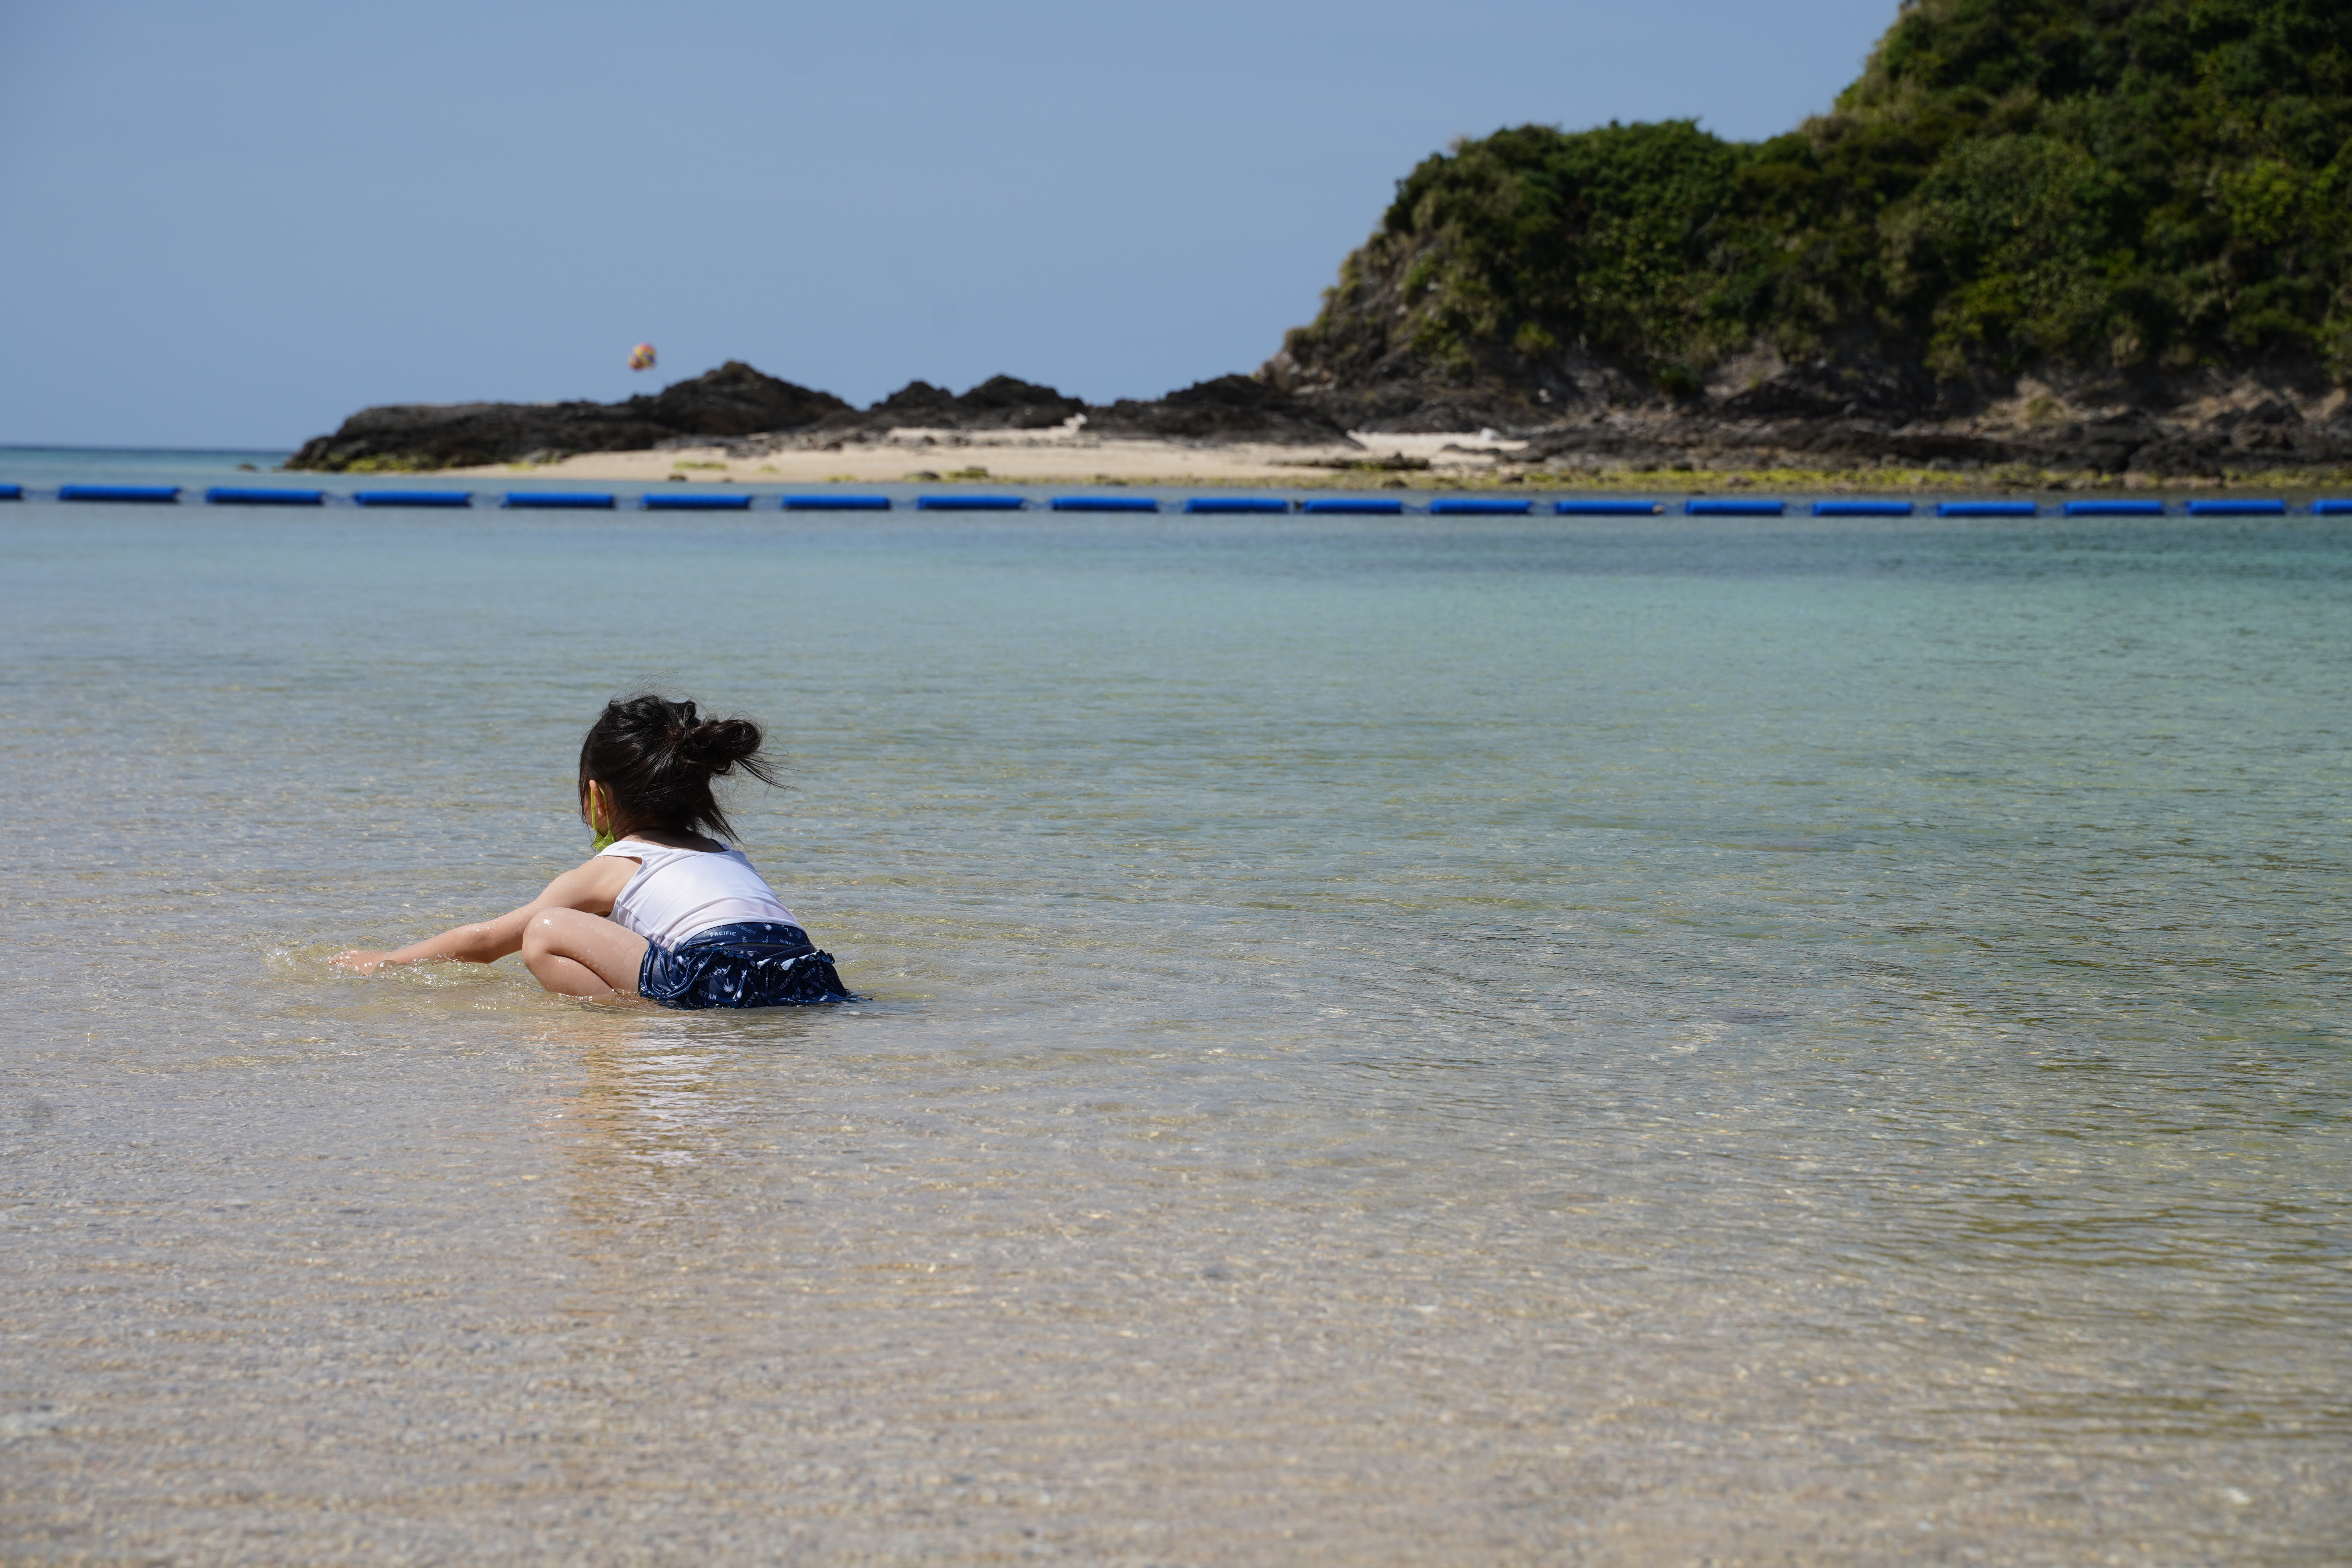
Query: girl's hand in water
590	889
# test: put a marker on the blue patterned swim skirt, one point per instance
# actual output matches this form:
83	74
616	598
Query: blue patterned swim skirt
754	963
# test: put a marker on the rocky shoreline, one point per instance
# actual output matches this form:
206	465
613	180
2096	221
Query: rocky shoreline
751	413
2197	426
1757	412
2270	438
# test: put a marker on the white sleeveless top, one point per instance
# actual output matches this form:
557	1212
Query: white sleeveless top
679	893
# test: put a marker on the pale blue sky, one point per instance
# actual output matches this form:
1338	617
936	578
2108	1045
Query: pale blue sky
234	223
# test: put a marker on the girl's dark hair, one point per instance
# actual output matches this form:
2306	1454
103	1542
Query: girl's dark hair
657	758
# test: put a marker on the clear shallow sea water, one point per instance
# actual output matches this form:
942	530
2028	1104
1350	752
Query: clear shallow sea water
1391	1041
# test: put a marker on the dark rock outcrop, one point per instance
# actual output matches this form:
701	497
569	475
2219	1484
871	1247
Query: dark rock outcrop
1000	403
459	435
2269	436
1230	408
736	400
735	404
733	400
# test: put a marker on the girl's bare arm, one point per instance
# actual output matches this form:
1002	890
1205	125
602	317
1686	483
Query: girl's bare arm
591	888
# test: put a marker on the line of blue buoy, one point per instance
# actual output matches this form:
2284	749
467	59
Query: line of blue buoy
1236	504
240	495
153	495
823	502
717	500
1105	503
1604	506
969	503
694	500
413	498
563	501
1478	506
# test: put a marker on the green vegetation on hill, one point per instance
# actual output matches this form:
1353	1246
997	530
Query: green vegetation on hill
2097	184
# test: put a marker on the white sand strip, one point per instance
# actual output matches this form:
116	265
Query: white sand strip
1054	456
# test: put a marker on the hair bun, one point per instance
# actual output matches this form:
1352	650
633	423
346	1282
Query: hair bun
656	760
718	743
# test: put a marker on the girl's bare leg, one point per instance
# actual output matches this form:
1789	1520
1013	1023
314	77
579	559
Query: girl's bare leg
580	954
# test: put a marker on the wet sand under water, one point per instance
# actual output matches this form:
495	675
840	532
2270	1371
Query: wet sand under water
1387	1042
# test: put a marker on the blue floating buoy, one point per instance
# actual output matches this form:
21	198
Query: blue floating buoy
1106	503
1862	509
119	492
825	501
1478	506
1709	507
2243	506
694	500
1605	508
239	495
969	503
2115	508
575	499
2331	507
413	498
1987	509
11	492
1364	506
1236	504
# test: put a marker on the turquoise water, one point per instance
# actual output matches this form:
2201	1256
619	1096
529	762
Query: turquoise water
1389	1041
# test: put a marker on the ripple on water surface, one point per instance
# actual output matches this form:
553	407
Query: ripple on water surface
1394	1042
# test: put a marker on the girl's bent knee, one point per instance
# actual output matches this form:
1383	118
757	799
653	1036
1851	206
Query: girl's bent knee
540	937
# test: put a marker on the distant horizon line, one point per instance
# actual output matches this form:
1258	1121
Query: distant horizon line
191	451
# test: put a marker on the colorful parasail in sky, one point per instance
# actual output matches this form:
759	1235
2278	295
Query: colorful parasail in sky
642	357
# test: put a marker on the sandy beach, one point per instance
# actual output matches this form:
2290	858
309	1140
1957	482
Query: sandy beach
1439	461
1064	455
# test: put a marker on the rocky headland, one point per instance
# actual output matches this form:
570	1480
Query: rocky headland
2063	238
2075	241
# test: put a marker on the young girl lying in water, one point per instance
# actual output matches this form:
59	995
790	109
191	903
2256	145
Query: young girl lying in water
691	923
